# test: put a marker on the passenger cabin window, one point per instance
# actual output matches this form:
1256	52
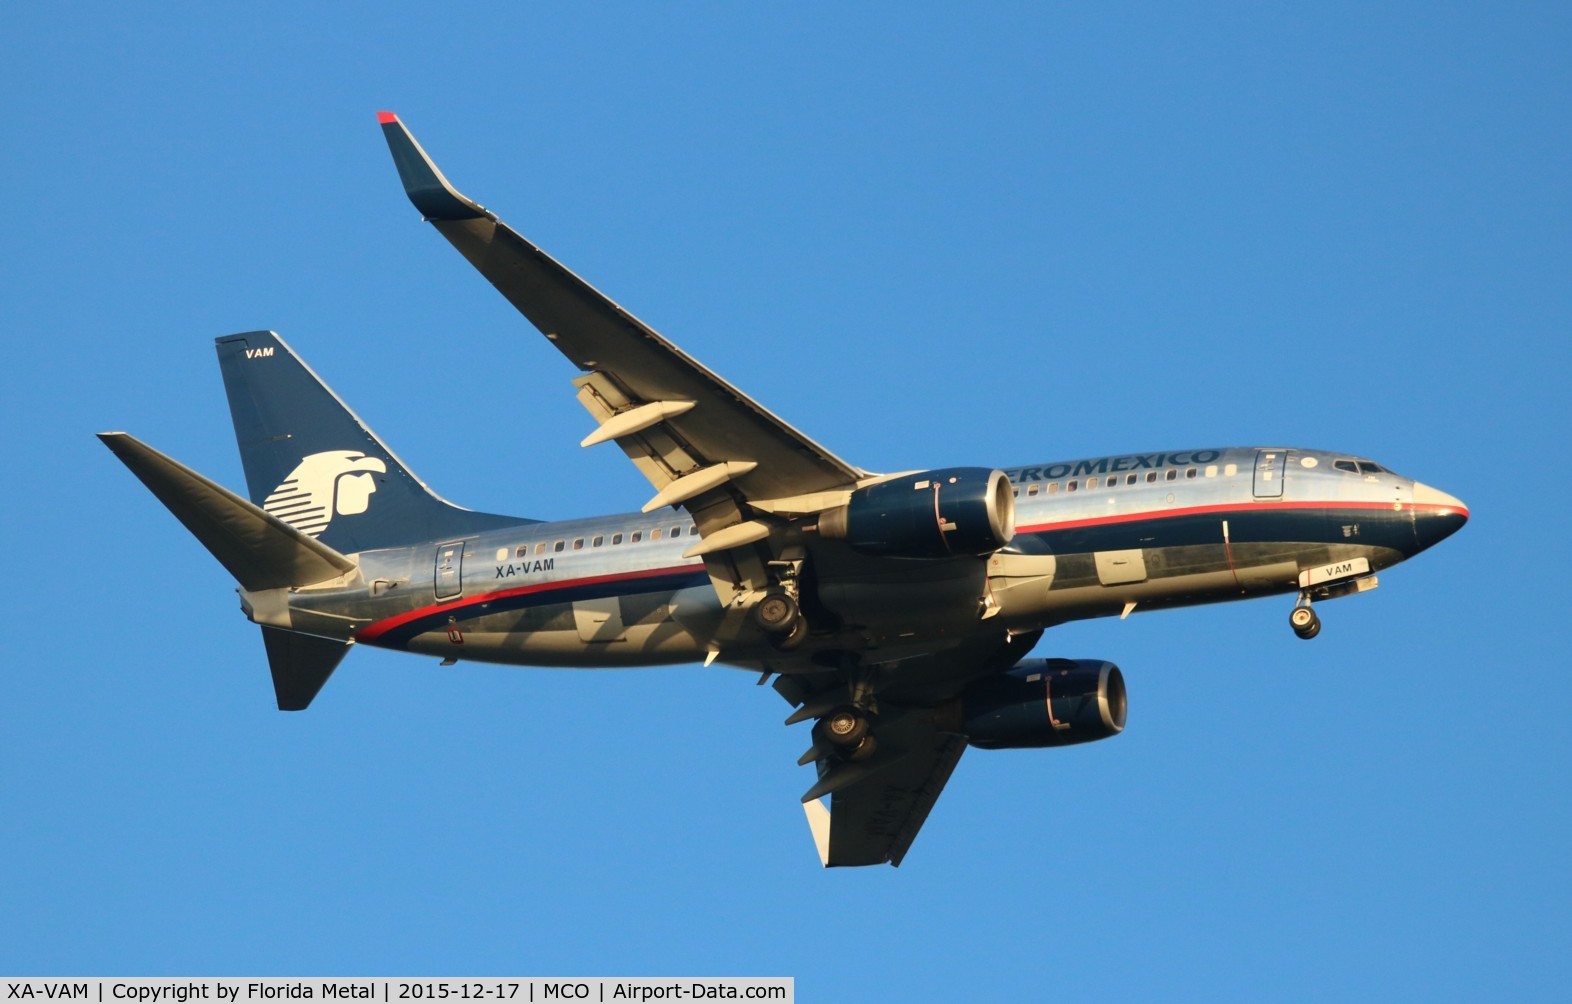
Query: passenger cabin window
1091	483
1211	470
1130	479
559	545
578	543
1053	488
1229	470
599	540
655	534
1189	472
635	536
676	531
540	548
1172	475
616	538
1072	486
522	551
1151	477
1031	490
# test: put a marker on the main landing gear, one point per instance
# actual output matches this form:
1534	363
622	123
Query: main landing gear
781	620
779	614
847	731
776	613
1303	620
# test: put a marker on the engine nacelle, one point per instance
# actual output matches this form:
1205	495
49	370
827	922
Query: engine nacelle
1045	702
933	514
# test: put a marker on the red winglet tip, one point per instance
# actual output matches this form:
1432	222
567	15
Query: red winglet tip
386	117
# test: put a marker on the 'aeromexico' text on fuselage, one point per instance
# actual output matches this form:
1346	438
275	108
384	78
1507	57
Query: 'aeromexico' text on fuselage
1112	465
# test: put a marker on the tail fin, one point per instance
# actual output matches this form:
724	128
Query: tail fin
316	466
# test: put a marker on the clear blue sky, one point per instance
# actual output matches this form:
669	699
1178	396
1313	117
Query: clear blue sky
926	234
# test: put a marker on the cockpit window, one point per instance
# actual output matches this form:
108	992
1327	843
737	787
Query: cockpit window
1347	465
1366	467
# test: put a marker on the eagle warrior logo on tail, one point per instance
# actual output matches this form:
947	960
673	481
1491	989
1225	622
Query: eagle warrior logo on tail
324	485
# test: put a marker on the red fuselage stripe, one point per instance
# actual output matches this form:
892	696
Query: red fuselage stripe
1204	510
374	631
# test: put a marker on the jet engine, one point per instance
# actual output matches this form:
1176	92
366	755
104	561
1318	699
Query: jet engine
1045	702
931	514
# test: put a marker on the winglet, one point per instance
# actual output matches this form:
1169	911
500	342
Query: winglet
819	823
423	183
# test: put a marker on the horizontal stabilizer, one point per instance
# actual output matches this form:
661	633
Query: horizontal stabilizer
259	550
301	664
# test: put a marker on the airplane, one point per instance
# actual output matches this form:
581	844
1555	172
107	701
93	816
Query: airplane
893	611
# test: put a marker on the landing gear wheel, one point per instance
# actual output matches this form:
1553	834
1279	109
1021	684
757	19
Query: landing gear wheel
777	613
864	750
793	638
845	728
1305	622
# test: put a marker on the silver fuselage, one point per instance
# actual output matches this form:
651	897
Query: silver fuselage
1094	538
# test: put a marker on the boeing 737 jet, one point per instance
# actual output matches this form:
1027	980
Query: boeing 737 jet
895	612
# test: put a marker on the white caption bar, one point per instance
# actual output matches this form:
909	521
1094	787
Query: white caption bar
388	990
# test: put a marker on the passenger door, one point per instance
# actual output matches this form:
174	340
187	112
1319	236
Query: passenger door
448	576
1269	467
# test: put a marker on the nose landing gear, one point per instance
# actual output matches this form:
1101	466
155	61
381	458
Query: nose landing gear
1303	619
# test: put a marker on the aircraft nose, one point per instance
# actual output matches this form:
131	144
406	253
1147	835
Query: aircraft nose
1437	515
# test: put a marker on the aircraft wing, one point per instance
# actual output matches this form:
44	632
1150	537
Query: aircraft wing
876	816
673	417
877	804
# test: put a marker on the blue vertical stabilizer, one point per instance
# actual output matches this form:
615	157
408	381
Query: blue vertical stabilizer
313	464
